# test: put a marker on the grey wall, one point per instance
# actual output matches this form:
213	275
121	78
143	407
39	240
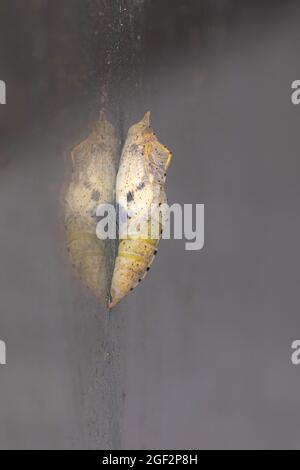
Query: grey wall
199	355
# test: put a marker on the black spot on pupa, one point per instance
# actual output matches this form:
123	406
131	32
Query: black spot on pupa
130	196
155	252
134	148
131	289
140	186
95	195
140	280
148	269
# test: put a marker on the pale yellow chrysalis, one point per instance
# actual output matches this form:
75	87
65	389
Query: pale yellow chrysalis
92	184
140	185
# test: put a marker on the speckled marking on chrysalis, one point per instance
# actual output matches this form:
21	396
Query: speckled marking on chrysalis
92	183
140	183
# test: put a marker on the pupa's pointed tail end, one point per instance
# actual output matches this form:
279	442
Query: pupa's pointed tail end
112	304
113	299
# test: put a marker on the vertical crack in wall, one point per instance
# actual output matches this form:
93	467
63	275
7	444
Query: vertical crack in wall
116	59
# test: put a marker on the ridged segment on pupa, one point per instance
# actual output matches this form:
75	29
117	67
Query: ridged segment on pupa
140	185
92	184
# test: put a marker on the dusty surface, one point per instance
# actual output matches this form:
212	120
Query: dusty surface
199	355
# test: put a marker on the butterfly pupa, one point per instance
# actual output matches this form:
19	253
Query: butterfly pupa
140	185
92	184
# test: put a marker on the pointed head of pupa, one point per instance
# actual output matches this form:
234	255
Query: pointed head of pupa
141	126
104	129
154	151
